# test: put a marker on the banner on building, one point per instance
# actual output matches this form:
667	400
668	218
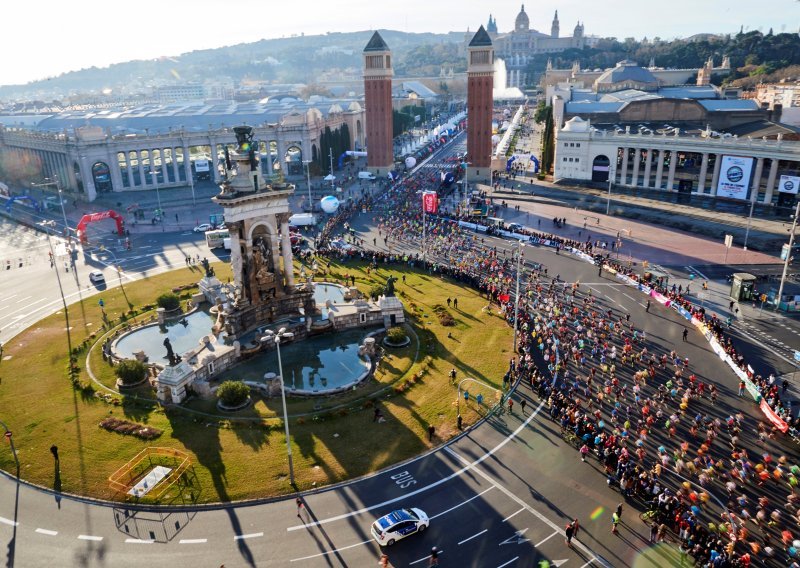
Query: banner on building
734	177
430	201
789	184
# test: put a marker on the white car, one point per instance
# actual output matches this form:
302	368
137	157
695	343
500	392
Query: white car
96	277
399	524
202	228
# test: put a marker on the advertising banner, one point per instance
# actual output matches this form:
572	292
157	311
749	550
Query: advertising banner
774	418
430	201
734	177
789	184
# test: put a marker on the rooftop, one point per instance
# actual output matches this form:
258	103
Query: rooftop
376	43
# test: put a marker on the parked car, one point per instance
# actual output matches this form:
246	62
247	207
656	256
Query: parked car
203	227
399	524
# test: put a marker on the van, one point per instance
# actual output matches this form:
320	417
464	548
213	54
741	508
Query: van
367	175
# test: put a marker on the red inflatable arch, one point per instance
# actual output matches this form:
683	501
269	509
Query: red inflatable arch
92	217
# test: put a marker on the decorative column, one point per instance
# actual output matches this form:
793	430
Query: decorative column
88	180
187	162
164	175
116	172
756	180
269	157
715	177
637	158
236	256
773	173
673	163
623	170
659	169
128	170
174	157
701	181
140	163
286	251
647	167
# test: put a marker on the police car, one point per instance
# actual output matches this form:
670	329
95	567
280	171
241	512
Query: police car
399	524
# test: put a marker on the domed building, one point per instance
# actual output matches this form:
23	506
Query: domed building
518	46
626	75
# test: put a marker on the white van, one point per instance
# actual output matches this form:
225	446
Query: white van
367	175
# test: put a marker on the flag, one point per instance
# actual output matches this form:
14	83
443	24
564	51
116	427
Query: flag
430	202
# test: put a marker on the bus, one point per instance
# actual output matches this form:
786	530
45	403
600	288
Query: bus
217	238
202	168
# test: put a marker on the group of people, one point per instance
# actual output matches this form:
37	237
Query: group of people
651	420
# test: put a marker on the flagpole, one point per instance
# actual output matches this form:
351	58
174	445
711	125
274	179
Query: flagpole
424	230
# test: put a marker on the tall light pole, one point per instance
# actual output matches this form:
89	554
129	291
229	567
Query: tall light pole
63	301
283	400
54	181
308	178
516	297
612	171
154	173
749	222
10	439
788	256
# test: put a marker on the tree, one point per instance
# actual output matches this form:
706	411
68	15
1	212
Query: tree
396	335
168	301
540	114
130	371
548	141
233	393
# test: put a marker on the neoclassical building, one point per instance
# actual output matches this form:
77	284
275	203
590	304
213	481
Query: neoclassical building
518	46
132	149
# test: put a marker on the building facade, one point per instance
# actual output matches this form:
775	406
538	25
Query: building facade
378	100
518	47
675	162
480	105
92	159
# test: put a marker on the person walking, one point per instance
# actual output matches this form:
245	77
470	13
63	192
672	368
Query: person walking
434	559
614	522
584	451
619	511
431	432
647	308
685	333
510	405
571	531
523	403
299	502
383	562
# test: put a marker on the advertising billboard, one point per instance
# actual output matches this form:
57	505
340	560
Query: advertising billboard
789	184
734	177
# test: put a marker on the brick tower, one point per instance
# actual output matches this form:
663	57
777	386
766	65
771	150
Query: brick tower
480	81
378	100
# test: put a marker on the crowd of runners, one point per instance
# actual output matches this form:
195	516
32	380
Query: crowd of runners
714	480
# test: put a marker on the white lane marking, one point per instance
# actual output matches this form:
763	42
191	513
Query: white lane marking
471	537
453	475
522	503
509	562
630	298
138	541
462	503
23	299
11	296
592	559
330	551
246	536
192	541
9	522
47	532
703	276
514	514
541	542
90	537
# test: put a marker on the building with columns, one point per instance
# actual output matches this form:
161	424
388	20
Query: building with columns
674	161
518	47
480	105
136	148
378	101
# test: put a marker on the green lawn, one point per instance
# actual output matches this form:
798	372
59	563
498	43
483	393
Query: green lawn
237	459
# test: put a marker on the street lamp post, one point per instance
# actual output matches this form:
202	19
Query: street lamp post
749	222
516	297
788	256
308	177
154	173
63	301
611	173
283	400
10	439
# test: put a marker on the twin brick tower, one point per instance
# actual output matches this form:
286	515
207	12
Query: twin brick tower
378	100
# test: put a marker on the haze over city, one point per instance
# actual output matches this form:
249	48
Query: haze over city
68	37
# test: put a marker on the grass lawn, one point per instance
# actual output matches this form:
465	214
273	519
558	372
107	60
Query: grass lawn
411	386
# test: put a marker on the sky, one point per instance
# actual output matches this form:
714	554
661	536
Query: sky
58	36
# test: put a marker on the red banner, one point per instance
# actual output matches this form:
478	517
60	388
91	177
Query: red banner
774	418
430	202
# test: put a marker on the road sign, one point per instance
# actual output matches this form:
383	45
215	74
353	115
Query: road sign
8	435
101	303
763	297
728	241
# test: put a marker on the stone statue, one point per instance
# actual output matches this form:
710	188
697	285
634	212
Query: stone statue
263	275
170	354
206	267
389	293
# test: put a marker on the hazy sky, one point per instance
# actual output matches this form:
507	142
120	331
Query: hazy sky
47	38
